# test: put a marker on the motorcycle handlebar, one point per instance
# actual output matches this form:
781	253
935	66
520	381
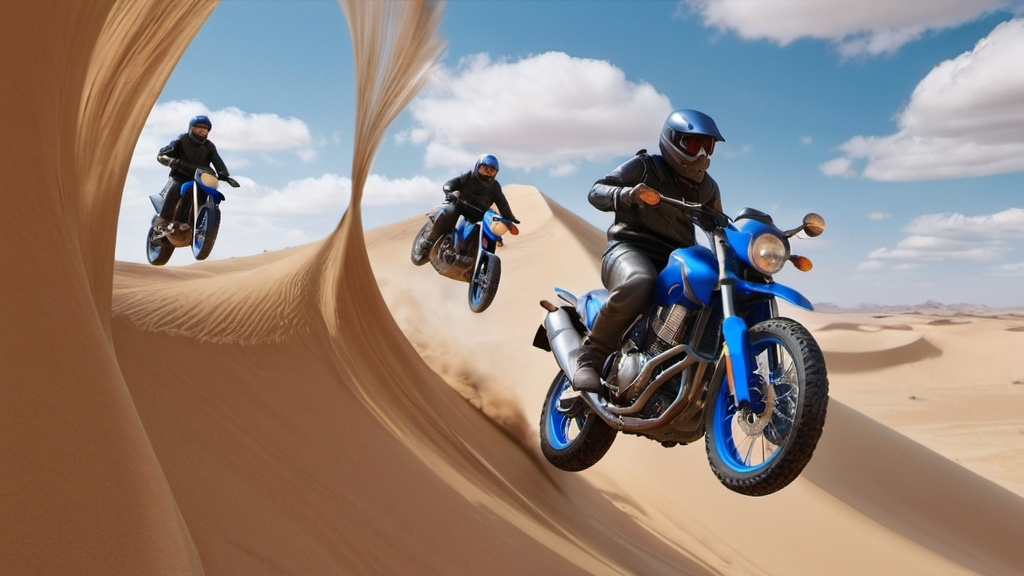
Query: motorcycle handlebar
707	218
454	198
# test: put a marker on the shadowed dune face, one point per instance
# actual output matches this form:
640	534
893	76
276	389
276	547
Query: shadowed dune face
915	351
81	486
280	424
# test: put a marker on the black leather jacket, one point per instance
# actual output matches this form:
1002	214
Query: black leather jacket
660	229
192	155
478	194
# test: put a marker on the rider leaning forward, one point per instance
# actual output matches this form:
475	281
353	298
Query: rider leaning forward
643	236
183	155
469	194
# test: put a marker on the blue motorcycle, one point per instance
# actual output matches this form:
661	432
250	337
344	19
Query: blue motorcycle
712	358
196	221
467	253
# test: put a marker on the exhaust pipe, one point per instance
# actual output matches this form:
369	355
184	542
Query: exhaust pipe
565	341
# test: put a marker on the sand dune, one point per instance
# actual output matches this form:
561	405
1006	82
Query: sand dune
331	409
847	493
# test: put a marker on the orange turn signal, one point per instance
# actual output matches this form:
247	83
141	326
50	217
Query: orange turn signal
513	229
802	263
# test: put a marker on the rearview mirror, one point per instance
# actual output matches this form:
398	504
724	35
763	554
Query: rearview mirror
814	225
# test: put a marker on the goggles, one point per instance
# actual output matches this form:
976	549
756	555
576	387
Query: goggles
692	144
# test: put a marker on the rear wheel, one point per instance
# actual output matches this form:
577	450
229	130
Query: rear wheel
760	450
483	284
420	251
158	247
572	437
207	226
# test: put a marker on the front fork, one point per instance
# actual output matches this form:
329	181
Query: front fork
739	372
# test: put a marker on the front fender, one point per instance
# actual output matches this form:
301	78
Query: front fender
778	290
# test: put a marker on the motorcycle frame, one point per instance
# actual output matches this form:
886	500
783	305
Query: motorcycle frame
686	412
487	240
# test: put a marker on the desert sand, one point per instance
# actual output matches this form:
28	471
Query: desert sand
331	409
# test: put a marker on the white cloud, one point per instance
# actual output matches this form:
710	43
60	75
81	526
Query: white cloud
964	119
564	169
879	216
1006	224
1012	269
331	193
233	129
859	27
838	167
946	237
545	111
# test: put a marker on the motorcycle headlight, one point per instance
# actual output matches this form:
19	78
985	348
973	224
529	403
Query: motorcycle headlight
768	254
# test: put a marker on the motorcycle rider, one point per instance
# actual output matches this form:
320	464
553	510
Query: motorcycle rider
469	194
642	236
183	155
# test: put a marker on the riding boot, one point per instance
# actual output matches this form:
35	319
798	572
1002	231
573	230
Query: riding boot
604	337
438	223
588	368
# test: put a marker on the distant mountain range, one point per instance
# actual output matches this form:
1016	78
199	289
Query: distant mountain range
929	308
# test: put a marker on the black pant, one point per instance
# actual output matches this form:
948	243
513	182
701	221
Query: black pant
171	194
629	276
446	217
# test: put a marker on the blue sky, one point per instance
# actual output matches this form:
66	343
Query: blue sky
901	122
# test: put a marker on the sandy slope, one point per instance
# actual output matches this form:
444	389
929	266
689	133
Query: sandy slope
282	414
920	512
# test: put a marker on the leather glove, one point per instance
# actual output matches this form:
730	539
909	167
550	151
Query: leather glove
452	196
175	163
631	196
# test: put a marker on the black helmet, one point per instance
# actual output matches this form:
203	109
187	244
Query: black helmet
485	160
687	142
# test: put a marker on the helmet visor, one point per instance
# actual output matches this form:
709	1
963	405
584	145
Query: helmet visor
692	144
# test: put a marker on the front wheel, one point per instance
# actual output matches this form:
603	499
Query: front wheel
207	226
760	449
158	247
483	284
572	437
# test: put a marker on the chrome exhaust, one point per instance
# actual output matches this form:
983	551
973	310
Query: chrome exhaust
565	341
